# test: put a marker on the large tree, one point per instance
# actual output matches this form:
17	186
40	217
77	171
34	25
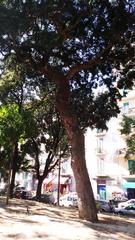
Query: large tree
79	46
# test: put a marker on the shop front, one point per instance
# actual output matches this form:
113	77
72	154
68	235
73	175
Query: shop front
101	188
129	186
51	184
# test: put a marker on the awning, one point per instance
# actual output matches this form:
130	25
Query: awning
63	180
48	180
129	185
53	180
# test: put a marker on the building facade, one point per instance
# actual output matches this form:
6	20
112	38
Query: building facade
105	151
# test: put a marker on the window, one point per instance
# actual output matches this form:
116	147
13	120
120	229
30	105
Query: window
99	130
100	145
131	166
25	175
126	107
132	207
100	165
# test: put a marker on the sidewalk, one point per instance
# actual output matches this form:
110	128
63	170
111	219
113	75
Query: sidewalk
46	222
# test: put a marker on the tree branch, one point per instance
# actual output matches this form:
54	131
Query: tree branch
37	164
48	162
54	165
91	63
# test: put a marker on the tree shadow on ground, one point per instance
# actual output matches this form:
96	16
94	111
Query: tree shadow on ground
107	225
114	224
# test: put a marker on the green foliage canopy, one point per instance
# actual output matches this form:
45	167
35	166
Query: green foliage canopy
15	127
84	41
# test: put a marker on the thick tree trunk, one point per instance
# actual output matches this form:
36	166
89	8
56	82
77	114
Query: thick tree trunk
86	202
14	169
8	184
12	183
39	188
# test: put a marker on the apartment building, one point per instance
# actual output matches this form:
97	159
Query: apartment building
105	151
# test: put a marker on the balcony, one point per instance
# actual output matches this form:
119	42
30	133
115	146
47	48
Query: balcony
100	132
129	112
99	151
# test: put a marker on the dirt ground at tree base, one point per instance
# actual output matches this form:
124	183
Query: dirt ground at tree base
29	220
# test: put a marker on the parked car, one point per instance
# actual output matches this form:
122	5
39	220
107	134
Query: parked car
45	198
127	210
103	206
23	194
71	194
3	192
127	203
68	201
117	201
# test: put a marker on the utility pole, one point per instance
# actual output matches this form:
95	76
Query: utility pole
59	170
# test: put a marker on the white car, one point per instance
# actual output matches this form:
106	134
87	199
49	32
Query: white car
128	210
68	201
126	204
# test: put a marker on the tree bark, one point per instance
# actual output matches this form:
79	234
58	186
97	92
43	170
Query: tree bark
86	202
14	169
12	183
39	188
8	187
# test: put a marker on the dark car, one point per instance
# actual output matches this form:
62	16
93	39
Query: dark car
3	192
103	206
21	192
45	198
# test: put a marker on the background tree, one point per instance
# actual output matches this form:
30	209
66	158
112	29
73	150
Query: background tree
15	91
79	45
11	128
50	145
128	129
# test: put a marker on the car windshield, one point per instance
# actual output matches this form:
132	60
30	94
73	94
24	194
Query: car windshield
132	207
